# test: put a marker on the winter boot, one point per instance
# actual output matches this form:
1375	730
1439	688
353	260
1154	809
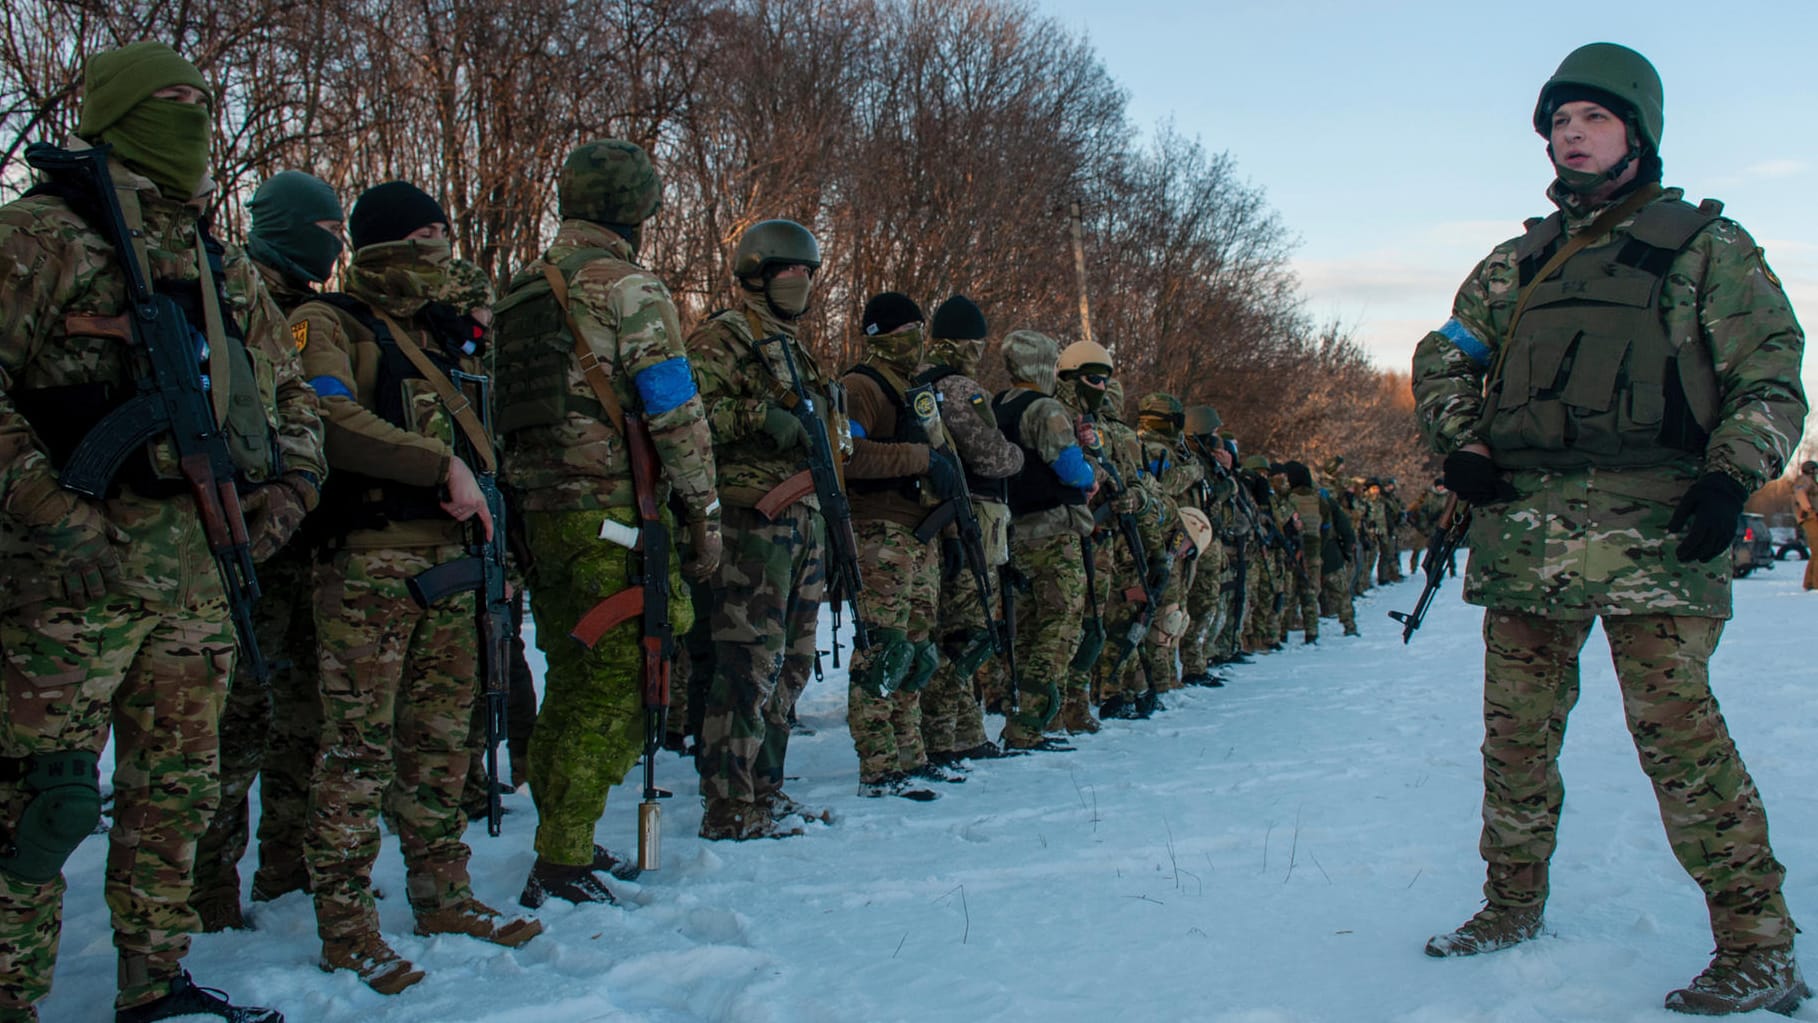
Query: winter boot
1204	679
1076	717
986	750
186	999
219	910
729	820
579	885
604	862
944	773
1115	706
1743	981
377	963
896	783
1148	704
1494	927
476	919
268	885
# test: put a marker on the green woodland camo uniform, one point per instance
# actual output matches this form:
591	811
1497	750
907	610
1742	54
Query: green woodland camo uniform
1306	568
270	732
772	580
1338	542
1208	602
1369	537
1096	399
1277	577
1394	517
1178	477
1048	520
894	477
569	464
398	680
1243	554
953	724
113	616
1651	384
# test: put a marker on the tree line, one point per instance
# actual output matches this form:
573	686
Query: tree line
933	146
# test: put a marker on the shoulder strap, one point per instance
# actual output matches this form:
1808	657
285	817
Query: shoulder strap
598	380
452	398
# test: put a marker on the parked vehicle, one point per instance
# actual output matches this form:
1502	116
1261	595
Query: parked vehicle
1753	547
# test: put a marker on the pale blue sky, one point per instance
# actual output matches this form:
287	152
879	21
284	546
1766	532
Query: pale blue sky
1395	138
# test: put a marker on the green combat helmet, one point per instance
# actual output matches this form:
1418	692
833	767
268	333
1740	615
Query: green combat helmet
1256	463
1203	421
1614	69
770	243
1164	411
609	182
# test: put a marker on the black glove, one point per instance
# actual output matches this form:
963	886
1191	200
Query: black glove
784	429
1475	479
945	477
1712	507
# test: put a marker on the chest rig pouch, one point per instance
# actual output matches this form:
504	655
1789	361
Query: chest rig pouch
533	350
1592	377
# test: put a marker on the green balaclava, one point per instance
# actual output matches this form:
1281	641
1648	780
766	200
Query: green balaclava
164	139
285	235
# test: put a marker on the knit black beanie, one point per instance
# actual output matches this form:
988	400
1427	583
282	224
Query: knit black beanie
958	319
390	212
888	311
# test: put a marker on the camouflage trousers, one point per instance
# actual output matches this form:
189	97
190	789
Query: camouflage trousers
1050	606
1713	814
1239	577
770	584
1268	571
1101	596
1363	575
590	731
902	581
952	718
1388	566
694	667
156	675
1208	604
1303	577
268	734
1335	592
398	685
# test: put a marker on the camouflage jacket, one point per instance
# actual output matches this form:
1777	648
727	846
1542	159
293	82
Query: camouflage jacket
625	315
875	416
59	269
1049	428
1592	541
966	413
740	381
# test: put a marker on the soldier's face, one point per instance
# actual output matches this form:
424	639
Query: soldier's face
1586	137
182	94
429	232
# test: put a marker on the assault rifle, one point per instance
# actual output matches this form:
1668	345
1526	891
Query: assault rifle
1126	521
843	580
1448	533
959	512
482	573
172	401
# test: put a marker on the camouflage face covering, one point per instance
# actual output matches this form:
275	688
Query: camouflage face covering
400	276
963	355
903	348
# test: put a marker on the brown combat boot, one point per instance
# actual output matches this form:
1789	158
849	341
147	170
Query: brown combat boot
1076	715
1494	927
377	963
219	910
476	919
1743	981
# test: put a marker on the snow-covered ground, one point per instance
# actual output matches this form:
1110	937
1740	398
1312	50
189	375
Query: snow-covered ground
1274	851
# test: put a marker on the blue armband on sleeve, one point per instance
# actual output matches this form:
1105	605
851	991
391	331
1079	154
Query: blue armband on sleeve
664	386
1467	342
857	428
329	387
1070	465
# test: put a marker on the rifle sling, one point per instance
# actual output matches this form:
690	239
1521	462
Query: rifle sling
598	380
451	396
786	397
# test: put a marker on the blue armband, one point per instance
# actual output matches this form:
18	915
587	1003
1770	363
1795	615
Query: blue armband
1070	465
664	386
857	428
329	387
1466	342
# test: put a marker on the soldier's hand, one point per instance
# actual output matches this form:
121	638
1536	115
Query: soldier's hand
274	511
784	429
1708	514
465	499
1472	475
945	477
82	556
704	546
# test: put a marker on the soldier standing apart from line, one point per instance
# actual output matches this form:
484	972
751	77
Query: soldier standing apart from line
270	731
1805	510
773	579
107	592
1049	518
953	724
898	471
398	680
1636	471
1394	519
586	337
1336	548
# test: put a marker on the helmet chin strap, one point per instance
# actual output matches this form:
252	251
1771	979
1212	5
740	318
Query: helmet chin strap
1585	182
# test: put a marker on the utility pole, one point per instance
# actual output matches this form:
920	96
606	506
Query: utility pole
1079	271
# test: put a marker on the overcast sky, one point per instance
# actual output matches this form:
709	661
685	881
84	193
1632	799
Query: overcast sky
1396	139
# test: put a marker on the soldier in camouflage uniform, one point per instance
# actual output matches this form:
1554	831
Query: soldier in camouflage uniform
565	446
1267	595
1048	520
772	580
270	732
398	680
108	592
1096	398
1301	502
1369	534
1395	518
1581	471
902	464
1336	551
1180	479
953	724
1209	603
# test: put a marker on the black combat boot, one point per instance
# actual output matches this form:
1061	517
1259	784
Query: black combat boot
186	999
579	885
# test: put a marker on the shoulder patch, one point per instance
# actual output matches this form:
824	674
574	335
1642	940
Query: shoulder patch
924	405
299	333
979	399
1761	261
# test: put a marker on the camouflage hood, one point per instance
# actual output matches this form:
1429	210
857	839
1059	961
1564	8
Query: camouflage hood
1032	358
400	277
1113	406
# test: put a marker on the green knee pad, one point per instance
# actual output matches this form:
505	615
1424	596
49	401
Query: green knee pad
1091	644
926	663
967	650
891	657
64	809
1038	722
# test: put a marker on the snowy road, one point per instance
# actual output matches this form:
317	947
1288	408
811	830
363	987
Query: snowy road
1276	851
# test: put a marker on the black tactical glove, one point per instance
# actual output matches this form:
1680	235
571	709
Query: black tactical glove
1475	479
1712	508
945	477
784	429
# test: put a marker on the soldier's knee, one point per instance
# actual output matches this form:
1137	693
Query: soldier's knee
64	807
1091	644
892	656
922	666
966	650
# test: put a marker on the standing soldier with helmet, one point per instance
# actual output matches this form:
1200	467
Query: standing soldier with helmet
1805	511
1208	602
772	580
1632	459
102	584
587	340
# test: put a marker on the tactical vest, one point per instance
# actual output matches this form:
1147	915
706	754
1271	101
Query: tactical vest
1036	487
63	415
533	350
908	431
1591	377
991	489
